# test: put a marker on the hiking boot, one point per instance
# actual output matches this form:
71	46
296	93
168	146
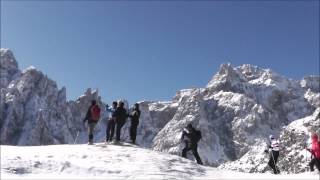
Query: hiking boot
311	169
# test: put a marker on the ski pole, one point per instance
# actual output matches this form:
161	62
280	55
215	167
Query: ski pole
76	137
274	162
124	130
292	142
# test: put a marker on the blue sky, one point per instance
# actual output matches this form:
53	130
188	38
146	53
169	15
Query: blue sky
149	50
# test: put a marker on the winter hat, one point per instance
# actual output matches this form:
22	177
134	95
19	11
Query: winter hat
189	126
121	104
271	137
136	105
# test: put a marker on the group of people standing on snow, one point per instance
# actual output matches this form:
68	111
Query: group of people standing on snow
190	136
117	118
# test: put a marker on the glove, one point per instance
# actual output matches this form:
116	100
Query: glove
266	151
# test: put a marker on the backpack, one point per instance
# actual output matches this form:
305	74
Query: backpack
197	136
317	150
95	113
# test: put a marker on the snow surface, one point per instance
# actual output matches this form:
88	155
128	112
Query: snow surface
107	161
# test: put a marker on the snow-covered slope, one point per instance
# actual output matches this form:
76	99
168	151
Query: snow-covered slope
111	162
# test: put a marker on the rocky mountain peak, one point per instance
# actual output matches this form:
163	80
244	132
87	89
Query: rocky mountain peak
7	59
311	82
8	67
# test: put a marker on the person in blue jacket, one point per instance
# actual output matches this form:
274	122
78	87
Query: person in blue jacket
111	121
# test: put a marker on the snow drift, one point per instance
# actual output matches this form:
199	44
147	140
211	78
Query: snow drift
103	161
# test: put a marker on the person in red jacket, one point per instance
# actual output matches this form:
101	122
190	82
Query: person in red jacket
92	116
315	151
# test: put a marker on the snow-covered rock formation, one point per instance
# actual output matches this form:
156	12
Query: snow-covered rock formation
237	111
34	111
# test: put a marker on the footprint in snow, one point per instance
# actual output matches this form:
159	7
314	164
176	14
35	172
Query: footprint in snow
114	172
37	164
18	158
65	165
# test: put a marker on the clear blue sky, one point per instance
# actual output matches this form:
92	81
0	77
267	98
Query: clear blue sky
148	50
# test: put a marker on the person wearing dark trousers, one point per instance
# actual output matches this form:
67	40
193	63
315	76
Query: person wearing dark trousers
120	117
315	152
92	116
273	150
314	162
111	121
191	137
134	115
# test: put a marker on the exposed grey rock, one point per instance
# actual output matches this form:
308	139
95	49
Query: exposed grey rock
236	112
8	68
34	111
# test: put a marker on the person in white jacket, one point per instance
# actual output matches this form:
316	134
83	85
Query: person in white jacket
273	149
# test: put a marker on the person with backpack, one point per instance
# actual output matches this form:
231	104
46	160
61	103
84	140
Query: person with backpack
134	116
120	119
273	149
92	116
191	137
315	152
111	121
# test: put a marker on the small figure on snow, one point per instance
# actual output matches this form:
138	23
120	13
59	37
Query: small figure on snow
134	116
273	149
315	152
121	117
92	116
191	137
111	121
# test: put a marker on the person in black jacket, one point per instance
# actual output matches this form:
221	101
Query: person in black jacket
120	117
191	137
134	115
